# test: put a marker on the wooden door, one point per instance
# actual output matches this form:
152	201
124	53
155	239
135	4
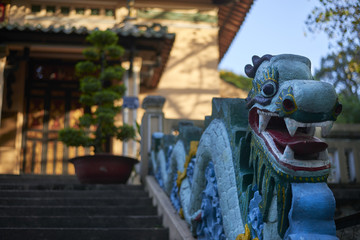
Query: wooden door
51	104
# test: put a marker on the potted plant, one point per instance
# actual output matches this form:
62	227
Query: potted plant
100	85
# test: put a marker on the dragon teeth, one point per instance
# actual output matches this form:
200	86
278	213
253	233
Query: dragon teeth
263	121
288	153
310	131
264	118
267	113
291	126
324	155
326	128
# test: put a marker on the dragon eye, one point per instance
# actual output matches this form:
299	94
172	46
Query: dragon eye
268	89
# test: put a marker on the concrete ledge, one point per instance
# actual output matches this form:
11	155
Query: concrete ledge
178	228
9	161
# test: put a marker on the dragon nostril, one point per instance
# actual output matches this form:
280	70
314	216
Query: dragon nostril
289	105
338	109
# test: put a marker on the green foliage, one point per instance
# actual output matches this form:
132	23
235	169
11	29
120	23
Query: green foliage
102	39
351	109
239	81
106	96
85	68
111	73
106	114
138	128
87	100
86	120
89	84
120	89
342	69
75	137
340	20
91	54
126	132
98	95
105	118
114	51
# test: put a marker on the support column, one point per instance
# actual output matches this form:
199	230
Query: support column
152	121
131	102
2	70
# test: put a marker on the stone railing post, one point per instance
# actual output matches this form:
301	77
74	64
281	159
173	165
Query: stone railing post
152	121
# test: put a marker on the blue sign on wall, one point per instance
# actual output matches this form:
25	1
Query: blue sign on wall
131	102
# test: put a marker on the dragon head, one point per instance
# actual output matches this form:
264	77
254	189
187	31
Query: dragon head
286	105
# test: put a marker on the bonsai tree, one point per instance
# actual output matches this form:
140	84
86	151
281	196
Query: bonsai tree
100	86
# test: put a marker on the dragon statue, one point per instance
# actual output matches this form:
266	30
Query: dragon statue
256	171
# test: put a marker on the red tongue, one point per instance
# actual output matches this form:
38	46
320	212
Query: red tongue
300	143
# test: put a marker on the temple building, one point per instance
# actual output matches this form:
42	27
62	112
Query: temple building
172	49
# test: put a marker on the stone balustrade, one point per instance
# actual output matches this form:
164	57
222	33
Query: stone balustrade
255	168
170	136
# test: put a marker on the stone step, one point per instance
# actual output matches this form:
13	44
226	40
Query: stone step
93	201
37	177
80	222
29	178
66	186
73	193
59	207
57	180
77	210
82	234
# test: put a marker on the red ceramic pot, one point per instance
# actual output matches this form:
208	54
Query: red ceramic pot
103	168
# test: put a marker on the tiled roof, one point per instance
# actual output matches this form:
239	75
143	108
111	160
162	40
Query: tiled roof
154	31
231	15
138	36
230	18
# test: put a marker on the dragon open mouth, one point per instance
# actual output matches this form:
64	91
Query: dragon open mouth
292	143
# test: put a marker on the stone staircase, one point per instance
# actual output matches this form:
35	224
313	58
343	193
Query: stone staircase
59	207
